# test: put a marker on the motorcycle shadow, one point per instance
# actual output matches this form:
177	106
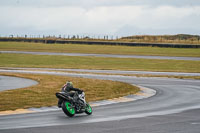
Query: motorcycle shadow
77	116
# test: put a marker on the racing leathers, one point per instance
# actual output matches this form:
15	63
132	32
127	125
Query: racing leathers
68	90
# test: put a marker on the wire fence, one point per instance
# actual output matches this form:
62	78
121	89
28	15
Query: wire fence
177	41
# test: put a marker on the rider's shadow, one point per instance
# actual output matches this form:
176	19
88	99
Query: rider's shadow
77	116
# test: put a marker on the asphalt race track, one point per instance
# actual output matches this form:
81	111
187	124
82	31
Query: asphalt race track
7	82
174	109
106	55
107	71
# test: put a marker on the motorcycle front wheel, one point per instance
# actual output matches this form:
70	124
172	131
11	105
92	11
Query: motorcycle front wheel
88	109
68	109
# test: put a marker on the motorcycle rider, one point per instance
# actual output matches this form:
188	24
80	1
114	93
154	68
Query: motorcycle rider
68	87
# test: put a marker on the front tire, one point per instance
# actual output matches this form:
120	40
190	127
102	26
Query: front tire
88	109
68	109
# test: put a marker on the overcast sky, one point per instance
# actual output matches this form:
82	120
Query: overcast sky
99	17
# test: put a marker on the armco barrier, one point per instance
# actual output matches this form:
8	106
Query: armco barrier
51	41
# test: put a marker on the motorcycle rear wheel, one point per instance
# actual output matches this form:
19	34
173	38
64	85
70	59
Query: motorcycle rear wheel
68	109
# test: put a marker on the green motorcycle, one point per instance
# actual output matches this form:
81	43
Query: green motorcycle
74	103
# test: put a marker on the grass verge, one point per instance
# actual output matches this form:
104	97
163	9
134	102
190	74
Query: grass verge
43	94
98	49
51	61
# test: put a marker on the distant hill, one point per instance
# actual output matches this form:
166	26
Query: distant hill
179	38
164	37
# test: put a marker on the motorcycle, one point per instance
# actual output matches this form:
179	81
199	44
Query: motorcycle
74	103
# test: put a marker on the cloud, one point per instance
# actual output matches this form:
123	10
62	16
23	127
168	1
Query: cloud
102	19
95	3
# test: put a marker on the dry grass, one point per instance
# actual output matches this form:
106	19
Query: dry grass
43	94
171	39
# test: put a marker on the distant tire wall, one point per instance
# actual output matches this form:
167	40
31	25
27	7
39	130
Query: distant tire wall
49	41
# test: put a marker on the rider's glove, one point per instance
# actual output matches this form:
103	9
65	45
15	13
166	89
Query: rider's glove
80	91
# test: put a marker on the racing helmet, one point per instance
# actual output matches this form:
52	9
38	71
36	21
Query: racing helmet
69	84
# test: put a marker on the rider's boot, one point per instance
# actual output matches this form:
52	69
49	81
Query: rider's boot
60	103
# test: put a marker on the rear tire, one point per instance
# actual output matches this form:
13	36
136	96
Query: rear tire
68	109
88	109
